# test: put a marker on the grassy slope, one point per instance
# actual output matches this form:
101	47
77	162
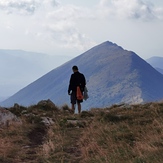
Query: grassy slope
126	134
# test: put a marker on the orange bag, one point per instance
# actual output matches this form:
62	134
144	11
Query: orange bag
79	95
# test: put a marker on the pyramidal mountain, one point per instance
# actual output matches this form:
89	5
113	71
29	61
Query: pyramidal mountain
113	76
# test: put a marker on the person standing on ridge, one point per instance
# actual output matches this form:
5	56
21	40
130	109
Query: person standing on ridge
77	80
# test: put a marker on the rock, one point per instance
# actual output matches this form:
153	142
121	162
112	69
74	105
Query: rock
7	118
47	104
16	106
47	121
76	123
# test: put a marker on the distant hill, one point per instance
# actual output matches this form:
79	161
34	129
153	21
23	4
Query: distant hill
159	70
2	98
114	75
19	68
157	63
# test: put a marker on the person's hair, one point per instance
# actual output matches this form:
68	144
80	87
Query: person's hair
75	68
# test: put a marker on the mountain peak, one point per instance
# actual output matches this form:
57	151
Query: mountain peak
109	44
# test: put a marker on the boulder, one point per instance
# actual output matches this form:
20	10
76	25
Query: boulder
47	104
47	121
7	118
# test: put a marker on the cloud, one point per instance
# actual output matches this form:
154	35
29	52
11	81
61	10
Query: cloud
70	25
62	25
159	12
23	6
70	12
135	9
50	21
67	35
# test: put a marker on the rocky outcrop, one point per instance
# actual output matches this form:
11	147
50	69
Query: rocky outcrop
7	118
47	121
47	105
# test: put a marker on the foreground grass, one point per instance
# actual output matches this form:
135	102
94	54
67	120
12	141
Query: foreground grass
125	134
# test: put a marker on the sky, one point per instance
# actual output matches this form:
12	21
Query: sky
71	27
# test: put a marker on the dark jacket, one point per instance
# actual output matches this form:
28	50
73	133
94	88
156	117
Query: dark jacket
77	79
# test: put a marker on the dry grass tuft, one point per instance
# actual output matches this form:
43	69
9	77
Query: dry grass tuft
121	133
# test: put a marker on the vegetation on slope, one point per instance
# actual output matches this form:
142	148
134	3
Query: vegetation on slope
121	133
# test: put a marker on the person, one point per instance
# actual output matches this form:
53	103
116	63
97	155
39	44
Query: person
76	79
